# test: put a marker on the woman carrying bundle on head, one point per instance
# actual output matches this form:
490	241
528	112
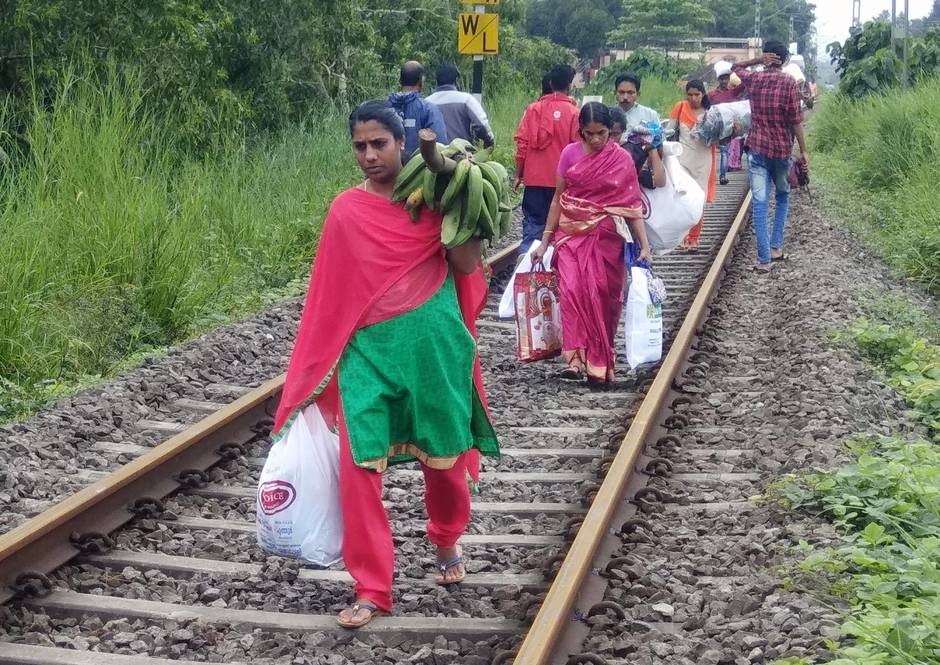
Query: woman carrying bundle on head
697	158
596	208
387	351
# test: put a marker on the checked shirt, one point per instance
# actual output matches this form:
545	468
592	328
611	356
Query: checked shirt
775	110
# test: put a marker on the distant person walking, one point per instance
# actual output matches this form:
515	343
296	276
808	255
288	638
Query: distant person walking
627	91
697	158
724	94
775	120
464	117
416	113
547	126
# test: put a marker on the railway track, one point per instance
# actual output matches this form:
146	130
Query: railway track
156	562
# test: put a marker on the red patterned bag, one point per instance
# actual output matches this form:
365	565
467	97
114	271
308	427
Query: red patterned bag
538	314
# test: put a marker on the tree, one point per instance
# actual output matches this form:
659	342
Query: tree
581	26
661	22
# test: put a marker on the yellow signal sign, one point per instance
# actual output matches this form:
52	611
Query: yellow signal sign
479	2
477	34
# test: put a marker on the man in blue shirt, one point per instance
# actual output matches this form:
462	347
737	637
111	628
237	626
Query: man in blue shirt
416	112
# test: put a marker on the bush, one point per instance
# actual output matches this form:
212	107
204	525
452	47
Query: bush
879	158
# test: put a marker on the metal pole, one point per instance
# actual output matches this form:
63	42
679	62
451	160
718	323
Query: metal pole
757	18
905	76
477	86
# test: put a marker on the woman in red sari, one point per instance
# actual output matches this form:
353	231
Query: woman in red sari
386	348
597	207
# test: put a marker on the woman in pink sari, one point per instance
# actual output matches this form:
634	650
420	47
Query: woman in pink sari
597	207
386	349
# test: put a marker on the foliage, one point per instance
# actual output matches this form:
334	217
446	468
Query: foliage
656	91
660	22
887	506
877	159
243	65
869	64
582	26
117	241
735	18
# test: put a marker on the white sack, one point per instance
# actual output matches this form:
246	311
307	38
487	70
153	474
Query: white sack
671	211
642	321
298	512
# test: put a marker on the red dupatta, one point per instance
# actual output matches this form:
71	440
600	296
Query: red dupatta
603	184
367	245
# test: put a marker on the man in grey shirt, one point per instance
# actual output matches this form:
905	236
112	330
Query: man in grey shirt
464	117
627	90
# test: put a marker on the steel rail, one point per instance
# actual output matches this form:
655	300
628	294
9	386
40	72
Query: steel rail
81	522
556	611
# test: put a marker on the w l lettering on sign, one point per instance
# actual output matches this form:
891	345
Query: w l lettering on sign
478	34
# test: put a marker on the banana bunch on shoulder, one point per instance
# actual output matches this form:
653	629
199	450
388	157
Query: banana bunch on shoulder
472	195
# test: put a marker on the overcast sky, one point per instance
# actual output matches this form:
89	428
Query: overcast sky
834	17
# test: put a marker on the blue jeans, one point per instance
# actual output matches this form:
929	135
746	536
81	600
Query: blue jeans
764	172
535	204
722	160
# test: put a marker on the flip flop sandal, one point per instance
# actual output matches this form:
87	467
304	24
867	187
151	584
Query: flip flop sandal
775	259
444	566
763	268
356	607
572	372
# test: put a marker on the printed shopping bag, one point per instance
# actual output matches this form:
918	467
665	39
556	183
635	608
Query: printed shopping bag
298	512
643	318
538	314
507	304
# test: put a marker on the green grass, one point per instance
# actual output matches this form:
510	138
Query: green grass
876	159
885	570
118	243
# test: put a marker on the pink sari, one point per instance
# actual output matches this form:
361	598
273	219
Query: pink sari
589	256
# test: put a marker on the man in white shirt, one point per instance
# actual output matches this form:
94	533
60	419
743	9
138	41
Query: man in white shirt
464	117
627	90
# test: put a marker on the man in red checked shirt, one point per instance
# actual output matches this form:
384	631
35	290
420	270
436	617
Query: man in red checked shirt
775	120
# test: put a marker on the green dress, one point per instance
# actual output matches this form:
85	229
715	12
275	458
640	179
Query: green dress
406	386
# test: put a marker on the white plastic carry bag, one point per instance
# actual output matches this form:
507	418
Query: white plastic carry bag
643	321
507	304
298	510
671	211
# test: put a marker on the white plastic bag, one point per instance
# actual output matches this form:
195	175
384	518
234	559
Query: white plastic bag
642	321
507	304
298	512
671	211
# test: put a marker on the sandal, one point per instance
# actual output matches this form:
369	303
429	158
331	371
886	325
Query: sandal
444	566
763	267
360	606
774	259
573	372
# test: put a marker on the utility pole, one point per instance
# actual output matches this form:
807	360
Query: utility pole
790	37
757	18
905	76
856	13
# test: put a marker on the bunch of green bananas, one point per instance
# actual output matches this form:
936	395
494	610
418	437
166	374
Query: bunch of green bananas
474	199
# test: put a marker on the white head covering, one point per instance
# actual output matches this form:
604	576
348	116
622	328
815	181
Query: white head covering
722	67
794	70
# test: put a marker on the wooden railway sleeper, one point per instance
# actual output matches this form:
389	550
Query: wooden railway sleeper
92	542
32	583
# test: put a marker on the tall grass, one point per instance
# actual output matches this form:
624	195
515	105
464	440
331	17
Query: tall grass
115	241
878	159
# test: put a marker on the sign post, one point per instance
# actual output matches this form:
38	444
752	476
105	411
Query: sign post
478	35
